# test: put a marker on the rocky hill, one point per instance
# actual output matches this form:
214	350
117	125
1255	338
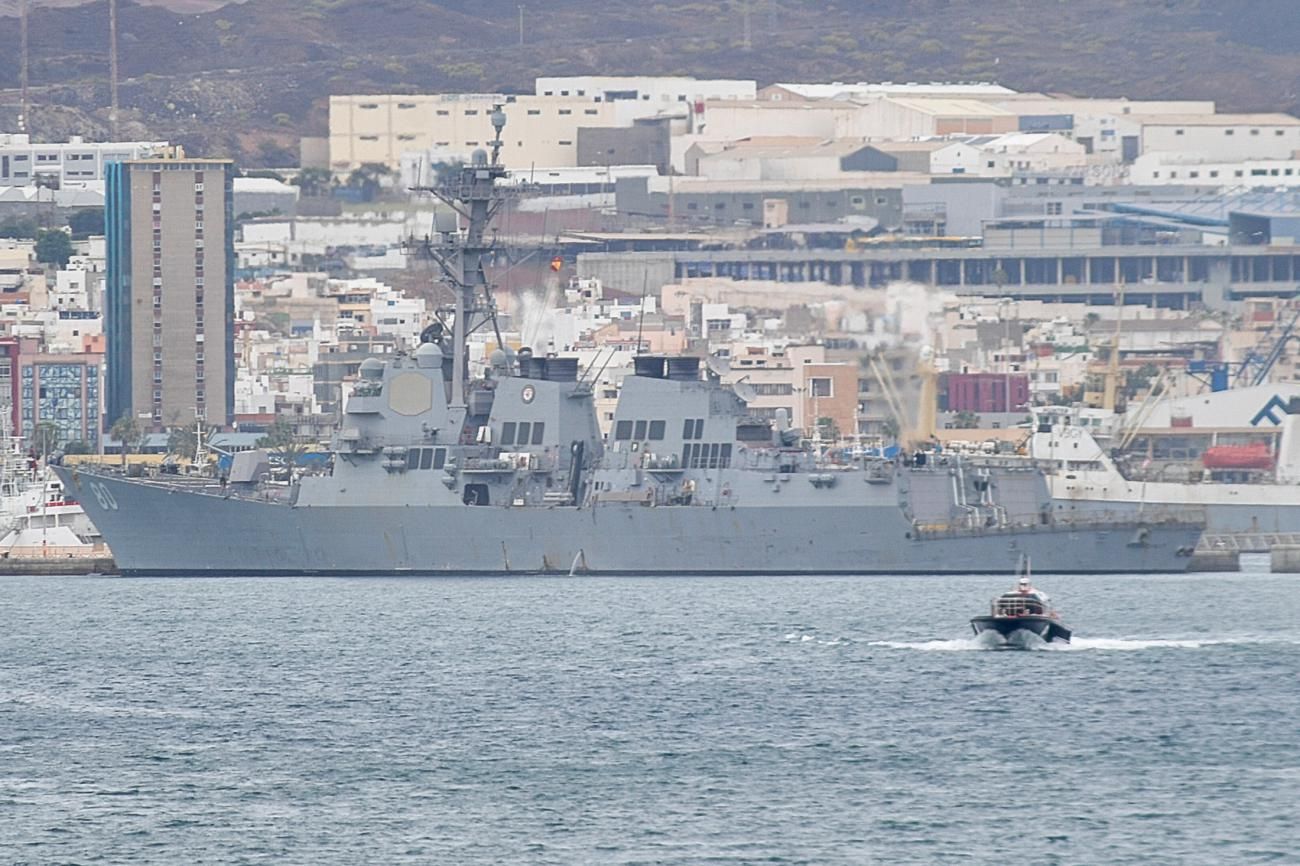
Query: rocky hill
247	79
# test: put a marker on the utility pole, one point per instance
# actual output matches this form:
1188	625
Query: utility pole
24	123
112	69
521	25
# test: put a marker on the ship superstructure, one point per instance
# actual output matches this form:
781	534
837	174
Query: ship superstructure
436	472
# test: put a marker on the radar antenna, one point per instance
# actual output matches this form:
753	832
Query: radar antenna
473	195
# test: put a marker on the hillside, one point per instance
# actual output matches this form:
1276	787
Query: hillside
248	79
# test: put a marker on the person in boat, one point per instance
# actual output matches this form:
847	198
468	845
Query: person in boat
1032	599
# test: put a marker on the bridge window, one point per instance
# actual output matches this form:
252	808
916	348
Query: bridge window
525	430
623	430
426	458
639	431
508	433
657	430
539	432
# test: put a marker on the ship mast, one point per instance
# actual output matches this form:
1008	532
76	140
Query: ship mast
473	195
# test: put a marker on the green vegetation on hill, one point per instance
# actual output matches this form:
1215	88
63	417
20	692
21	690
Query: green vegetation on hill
249	79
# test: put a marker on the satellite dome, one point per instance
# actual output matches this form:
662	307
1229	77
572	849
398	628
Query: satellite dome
478	157
372	368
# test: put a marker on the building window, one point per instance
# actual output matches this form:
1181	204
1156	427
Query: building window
821	387
590	111
563	143
534	111
1178	132
564	111
1254	132
470	112
442	112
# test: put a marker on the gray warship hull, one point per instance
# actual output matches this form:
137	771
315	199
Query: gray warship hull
178	529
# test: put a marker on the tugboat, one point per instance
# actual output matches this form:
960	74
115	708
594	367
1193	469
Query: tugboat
1023	609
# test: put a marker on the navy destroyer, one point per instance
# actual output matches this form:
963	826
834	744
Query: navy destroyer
435	471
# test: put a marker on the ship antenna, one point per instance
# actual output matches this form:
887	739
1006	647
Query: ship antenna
640	325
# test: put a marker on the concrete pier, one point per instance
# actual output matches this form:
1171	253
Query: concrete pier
1215	560
1284	559
63	566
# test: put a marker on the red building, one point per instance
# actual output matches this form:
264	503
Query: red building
985	392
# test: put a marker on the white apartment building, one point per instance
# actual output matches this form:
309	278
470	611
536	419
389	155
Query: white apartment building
74	163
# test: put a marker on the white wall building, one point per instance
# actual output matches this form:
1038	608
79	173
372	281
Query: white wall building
1005	155
74	163
541	129
1181	168
394	314
862	90
1220	137
891	117
659	90
315	235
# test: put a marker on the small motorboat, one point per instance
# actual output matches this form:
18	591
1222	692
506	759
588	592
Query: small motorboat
1024	609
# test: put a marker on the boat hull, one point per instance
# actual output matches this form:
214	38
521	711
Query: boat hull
1043	626
157	529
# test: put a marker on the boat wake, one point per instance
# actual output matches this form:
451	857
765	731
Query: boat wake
1024	640
959	645
804	637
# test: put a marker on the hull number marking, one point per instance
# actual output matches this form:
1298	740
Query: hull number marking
103	496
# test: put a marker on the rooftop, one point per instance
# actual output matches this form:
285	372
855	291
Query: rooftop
1274	119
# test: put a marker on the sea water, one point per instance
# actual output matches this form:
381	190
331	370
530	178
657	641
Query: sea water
645	720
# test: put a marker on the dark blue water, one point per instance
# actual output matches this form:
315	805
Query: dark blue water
662	721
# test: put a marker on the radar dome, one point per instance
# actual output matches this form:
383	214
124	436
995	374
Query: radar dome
371	368
428	356
478	157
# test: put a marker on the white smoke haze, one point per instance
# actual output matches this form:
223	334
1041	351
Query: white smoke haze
536	317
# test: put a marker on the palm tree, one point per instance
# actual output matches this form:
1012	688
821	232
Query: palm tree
889	428
127	432
314	181
182	442
45	438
